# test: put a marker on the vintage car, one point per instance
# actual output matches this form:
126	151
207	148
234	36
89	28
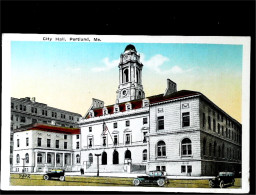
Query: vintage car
223	179
55	174
154	177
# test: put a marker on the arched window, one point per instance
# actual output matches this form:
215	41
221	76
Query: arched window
137	76
18	158
57	158
27	158
115	157
186	148
104	159
204	146
210	149
90	158
161	149
126	76
39	158
144	155
214	148
128	154
77	158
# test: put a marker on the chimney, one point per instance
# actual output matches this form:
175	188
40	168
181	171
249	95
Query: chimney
171	87
33	99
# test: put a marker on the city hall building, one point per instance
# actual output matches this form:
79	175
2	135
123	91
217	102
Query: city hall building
179	132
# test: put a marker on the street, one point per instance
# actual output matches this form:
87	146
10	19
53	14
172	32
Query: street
37	180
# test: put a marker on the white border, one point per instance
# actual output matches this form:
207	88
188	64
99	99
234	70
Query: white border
6	53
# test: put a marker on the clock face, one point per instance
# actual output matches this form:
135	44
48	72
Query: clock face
124	92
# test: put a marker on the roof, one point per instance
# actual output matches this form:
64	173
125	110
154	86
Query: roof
136	104
49	128
130	47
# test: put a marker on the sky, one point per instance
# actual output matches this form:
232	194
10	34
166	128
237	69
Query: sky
67	75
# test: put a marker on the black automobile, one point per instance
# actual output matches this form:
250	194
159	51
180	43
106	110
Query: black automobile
154	177
223	179
55	174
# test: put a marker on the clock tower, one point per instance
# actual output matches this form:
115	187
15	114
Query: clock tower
130	82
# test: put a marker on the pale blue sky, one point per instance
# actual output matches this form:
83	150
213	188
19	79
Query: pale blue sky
68	74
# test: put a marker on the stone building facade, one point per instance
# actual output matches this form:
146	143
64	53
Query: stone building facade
40	147
25	111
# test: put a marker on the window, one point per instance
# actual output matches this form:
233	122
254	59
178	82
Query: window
189	167
39	141
219	151
48	143
210	149
57	158
77	145
127	123
18	143
49	158
203	119
20	107
186	147
183	169
24	108
115	125
27	158
77	158
22	119
39	158
90	129
90	142
12	117
65	136
223	150
160	122
144	155
17	118
204	146
104	143
27	141
145	121
65	145
127	139
115	139
158	168
57	143
222	131
185	119
209	122
226	132
161	149
36	110
11	137
218	128
214	149
12	105
214	125
77	136
163	168
18	158
144	137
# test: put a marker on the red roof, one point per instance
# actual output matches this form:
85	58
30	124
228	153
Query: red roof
55	129
136	104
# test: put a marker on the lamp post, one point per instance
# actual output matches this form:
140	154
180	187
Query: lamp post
23	159
98	164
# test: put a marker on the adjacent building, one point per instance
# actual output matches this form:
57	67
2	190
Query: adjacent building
25	111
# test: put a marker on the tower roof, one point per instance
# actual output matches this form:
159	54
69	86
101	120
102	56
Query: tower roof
130	47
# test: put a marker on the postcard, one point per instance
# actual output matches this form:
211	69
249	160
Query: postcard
125	113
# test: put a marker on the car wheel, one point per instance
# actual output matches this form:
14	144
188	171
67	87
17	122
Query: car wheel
46	177
233	182
62	178
160	182
136	182
211	184
221	184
